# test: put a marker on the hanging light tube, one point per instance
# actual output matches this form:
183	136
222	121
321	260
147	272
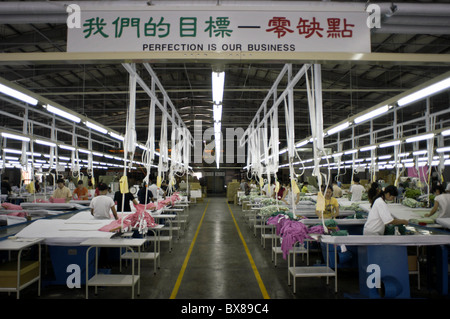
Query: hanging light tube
372	114
96	127
117	136
429	90
62	113
392	143
18	95
302	143
350	152
445	133
443	149
416	153
16	137
367	148
338	128
66	147
51	144
218	80
217	112
419	138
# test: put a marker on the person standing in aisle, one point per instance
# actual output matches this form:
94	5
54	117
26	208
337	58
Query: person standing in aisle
356	190
118	197
102	205
156	191
61	191
337	191
379	215
441	203
144	194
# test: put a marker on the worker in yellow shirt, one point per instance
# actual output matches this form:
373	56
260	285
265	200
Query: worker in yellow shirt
61	191
331	204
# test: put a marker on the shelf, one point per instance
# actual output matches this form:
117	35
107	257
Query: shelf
113	280
313	271
143	256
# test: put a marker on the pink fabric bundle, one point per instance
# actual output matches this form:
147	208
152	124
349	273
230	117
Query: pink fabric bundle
10	206
132	220
141	207
18	214
57	200
292	231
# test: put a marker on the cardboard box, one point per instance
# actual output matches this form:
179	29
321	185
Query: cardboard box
412	263
8	273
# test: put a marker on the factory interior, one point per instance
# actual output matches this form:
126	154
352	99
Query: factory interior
210	151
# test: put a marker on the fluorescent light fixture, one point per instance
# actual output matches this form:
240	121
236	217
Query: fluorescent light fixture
337	154
392	143
18	95
350	152
96	127
420	153
429	90
338	128
300	144
16	137
84	151
51	144
9	150
372	114
218	80
217	112
62	113
443	149
384	157
367	148
420	138
66	147
403	154
117	136
97	154
445	133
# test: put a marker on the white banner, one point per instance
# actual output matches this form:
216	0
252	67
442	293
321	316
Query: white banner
220	31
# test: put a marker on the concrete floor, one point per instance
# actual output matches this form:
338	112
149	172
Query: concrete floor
218	267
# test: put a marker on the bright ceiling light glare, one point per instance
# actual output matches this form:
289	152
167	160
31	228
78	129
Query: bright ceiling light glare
416	153
16	137
429	90
66	147
388	144
443	149
338	128
372	114
419	138
218	81
18	95
302	143
62	113
445	133
367	148
217	113
403	154
96	127
350	152
337	154
51	144
117	136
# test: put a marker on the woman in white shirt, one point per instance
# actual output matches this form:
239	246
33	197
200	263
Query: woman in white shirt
441	203
379	215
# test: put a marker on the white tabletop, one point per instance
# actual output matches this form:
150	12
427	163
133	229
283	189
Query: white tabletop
403	240
114	242
18	243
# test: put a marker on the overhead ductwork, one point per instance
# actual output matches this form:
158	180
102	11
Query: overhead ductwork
396	18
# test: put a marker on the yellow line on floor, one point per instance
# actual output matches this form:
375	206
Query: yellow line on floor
183	268
250	258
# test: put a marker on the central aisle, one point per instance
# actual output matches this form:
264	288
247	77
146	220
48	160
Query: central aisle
218	266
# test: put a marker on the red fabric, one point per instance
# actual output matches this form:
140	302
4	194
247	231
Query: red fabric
10	206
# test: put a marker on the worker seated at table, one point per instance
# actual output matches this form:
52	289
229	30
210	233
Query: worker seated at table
441	203
379	215
288	193
331	204
102	205
81	192
61	192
